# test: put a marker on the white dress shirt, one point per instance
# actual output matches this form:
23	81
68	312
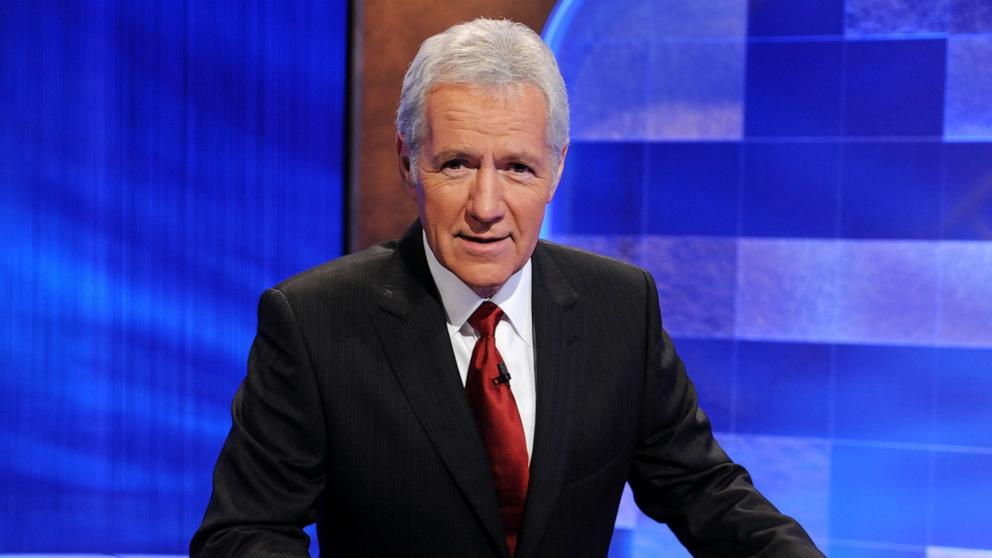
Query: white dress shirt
514	333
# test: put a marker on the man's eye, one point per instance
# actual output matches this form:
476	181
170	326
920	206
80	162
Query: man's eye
454	164
520	168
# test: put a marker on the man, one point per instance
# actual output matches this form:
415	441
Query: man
468	390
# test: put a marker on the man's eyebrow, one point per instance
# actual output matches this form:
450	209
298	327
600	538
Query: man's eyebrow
449	154
523	156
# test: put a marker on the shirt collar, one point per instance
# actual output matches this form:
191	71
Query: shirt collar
459	301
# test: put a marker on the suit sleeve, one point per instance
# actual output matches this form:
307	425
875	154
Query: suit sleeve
270	473
681	476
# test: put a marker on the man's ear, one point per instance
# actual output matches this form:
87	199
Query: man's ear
558	172
405	168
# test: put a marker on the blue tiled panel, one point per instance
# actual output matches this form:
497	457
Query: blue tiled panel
632	20
655	539
603	182
856	226
694	20
794	473
962	494
885	95
865	292
874	17
963	386
887	292
891	190
612	106
793	89
790	189
785	289
710	364
785	388
696	282
968	113
645	22
694	90
957	552
627	511
884	393
879	494
965	294
839	550
815	290
971	16
695	277
795	17
622	544
966	207
692	188
622	247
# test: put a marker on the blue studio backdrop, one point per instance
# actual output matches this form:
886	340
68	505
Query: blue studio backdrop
161	163
810	182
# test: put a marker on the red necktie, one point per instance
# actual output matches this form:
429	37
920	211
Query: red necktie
496	416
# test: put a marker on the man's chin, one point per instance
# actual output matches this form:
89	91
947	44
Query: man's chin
483	285
484	289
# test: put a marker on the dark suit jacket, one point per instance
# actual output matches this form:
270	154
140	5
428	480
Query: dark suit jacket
353	415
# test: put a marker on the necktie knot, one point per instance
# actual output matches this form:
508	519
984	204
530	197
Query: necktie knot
485	318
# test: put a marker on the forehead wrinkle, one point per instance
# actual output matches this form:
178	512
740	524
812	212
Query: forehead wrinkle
492	125
474	121
504	99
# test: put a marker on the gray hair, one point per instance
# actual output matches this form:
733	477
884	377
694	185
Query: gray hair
486	53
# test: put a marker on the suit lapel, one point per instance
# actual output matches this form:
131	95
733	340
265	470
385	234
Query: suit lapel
555	340
411	324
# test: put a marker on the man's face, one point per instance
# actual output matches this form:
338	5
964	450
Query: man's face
483	176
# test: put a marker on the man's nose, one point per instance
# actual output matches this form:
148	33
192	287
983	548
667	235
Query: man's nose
486	198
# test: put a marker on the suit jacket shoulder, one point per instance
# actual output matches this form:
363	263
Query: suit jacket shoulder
354	277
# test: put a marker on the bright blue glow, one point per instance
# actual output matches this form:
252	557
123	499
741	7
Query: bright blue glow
815	290
962	398
971	16
883	17
870	499
161	165
913	18
825	270
794	472
966	200
559	20
968	116
896	383
952	528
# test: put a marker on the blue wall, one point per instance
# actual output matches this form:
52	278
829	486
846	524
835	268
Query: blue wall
810	181
160	164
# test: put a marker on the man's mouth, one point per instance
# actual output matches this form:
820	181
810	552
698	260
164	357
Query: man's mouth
482	240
